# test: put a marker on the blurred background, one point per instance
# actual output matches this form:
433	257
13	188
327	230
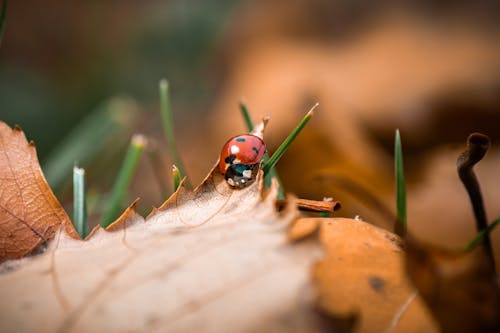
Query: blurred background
81	77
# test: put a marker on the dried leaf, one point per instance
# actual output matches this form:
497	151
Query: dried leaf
29	212
362	278
214	259
303	228
460	289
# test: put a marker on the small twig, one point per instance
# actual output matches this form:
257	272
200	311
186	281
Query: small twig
477	146
312	205
327	214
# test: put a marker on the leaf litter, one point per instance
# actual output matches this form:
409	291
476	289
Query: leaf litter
30	214
213	259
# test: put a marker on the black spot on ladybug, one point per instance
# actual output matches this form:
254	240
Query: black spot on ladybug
255	150
240	139
230	159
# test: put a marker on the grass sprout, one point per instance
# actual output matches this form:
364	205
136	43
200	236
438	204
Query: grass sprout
80	202
168	127
400	226
480	236
176	175
122	181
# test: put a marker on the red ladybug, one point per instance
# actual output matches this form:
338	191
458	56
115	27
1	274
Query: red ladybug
240	158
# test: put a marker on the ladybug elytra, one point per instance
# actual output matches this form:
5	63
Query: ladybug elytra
240	158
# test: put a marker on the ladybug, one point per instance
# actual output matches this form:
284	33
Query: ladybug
240	159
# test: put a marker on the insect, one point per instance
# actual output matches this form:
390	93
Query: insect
240	159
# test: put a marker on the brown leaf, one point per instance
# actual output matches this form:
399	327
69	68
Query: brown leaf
303	228
460	289
29	212
362	276
214	259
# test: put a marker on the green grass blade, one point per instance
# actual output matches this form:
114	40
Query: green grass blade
272	173
246	116
400	226
3	13
271	162
177	177
168	126
122	182
80	202
110	122
480	236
